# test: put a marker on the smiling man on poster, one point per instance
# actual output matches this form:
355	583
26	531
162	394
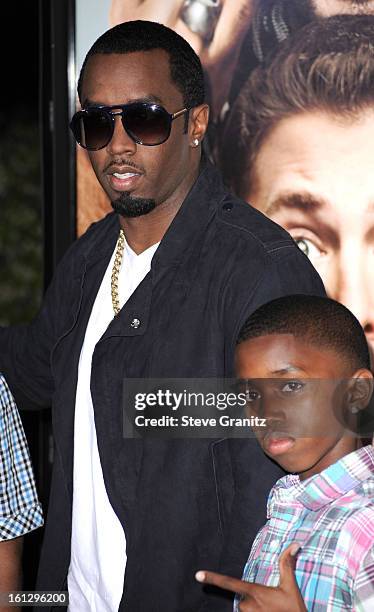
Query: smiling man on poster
299	145
159	288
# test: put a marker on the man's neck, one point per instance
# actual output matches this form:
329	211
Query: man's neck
144	231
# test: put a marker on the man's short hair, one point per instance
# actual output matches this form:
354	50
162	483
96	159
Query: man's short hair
185	66
328	65
320	321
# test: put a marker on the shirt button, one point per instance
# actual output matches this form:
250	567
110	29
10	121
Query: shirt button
227	207
273	545
135	323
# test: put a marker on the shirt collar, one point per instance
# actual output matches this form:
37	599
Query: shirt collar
323	488
133	257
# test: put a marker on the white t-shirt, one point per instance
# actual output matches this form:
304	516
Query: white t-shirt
98	543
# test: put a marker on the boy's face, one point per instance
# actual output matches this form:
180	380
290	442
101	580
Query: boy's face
305	394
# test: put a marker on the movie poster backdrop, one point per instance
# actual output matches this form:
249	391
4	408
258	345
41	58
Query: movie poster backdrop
232	37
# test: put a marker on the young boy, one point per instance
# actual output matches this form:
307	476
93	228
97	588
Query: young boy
305	364
20	510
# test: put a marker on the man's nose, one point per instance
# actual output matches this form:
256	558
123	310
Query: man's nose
121	143
355	288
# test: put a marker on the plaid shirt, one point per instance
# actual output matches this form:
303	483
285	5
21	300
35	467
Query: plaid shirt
331	515
20	510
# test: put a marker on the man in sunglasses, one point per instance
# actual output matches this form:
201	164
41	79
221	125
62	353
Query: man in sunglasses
157	289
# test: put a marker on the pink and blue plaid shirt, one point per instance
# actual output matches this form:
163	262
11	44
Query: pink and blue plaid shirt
331	515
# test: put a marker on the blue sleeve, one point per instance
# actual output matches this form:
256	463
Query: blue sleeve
20	510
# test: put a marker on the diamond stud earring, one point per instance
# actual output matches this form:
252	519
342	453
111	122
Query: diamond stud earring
195	142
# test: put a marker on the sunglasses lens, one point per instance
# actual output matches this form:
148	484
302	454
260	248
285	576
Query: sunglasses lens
92	129
148	124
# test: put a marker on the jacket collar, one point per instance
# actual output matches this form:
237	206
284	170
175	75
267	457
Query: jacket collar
193	217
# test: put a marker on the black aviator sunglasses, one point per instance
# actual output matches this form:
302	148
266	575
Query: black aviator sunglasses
146	123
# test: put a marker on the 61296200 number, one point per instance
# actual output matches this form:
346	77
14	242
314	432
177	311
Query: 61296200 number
31	598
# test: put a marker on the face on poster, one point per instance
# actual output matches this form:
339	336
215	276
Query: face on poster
331	162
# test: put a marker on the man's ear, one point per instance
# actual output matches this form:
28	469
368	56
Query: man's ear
199	118
360	390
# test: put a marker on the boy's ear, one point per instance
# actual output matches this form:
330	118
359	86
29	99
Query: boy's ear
360	389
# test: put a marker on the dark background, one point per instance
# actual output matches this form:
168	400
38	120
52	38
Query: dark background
21	217
20	55
37	188
20	193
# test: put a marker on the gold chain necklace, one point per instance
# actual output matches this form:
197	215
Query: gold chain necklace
115	272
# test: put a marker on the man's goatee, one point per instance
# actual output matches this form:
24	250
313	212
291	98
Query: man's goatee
129	206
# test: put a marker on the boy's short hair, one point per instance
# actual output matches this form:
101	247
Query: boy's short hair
321	321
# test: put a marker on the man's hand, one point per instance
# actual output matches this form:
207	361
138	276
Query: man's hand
219	57
286	597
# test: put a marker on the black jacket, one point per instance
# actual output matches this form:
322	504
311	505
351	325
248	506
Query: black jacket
184	504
